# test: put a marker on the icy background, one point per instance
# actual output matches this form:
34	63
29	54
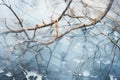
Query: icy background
82	54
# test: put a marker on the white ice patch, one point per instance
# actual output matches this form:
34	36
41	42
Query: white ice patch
111	77
9	74
1	71
93	76
77	60
107	62
98	61
86	73
116	35
32	73
80	74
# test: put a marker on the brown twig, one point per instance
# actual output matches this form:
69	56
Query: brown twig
70	29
